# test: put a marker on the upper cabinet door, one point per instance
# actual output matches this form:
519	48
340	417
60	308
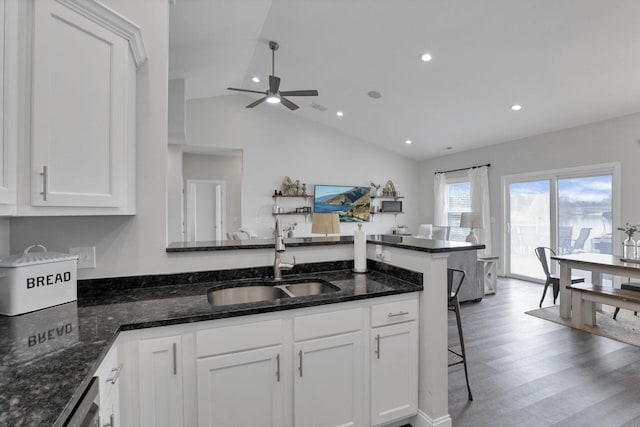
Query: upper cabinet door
79	110
8	105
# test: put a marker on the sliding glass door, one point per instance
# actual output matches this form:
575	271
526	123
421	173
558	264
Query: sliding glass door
569	211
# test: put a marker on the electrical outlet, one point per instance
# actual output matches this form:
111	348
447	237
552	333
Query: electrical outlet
86	256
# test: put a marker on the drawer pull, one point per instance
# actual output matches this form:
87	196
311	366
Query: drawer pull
175	359
115	373
400	313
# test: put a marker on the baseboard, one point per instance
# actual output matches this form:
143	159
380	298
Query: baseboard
423	420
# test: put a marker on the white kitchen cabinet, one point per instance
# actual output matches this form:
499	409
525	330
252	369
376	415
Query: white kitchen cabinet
241	389
108	375
328	388
394	361
83	71
8	106
328	385
241	374
160	383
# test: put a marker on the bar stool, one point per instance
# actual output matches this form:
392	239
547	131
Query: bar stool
454	305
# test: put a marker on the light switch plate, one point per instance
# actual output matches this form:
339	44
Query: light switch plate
86	256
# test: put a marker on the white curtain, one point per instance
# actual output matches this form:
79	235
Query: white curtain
479	180
440	200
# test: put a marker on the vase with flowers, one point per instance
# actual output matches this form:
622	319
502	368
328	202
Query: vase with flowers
629	245
289	229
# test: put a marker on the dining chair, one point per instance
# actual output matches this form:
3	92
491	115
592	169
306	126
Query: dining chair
552	279
455	278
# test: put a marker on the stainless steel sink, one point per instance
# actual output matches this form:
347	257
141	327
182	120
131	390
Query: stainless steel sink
312	287
262	291
245	294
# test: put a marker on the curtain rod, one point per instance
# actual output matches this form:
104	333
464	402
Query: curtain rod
464	169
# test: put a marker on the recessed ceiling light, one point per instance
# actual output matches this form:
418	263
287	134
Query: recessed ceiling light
255	79
374	94
425	57
408	141
449	148
516	107
339	114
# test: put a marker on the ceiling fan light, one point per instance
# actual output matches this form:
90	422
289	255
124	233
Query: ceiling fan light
273	99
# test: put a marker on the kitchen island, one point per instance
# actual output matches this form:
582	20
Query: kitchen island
47	361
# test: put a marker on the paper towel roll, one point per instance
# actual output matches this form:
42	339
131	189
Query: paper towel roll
359	252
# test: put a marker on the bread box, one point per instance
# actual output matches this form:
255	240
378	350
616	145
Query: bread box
34	280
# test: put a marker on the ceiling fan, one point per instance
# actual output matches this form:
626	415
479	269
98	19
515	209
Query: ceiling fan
273	95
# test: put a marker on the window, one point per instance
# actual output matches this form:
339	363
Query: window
459	194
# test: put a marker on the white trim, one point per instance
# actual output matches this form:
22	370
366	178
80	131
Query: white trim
612	168
112	21
423	420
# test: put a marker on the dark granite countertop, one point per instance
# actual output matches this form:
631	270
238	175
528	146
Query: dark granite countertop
49	356
406	242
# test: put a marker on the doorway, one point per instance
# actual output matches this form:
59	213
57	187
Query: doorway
204	210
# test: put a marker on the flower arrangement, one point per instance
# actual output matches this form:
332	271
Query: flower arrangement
289	228
629	229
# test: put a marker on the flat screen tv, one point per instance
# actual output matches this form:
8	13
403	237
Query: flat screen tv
352	204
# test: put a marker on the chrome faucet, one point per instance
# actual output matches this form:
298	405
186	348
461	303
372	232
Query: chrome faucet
278	265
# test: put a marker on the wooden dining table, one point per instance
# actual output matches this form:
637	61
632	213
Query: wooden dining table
597	264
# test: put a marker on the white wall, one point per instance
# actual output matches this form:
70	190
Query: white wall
174	194
275	143
615	140
4	237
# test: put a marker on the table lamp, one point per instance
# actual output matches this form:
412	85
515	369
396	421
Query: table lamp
325	223
471	220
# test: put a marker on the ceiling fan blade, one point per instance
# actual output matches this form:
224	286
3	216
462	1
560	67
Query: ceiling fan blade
290	105
258	102
274	84
261	92
299	93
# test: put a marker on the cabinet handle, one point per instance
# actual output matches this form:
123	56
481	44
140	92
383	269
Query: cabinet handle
377	351
175	359
278	367
400	313
300	357
111	423
45	177
115	373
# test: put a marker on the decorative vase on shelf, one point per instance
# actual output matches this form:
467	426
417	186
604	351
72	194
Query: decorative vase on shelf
290	234
629	248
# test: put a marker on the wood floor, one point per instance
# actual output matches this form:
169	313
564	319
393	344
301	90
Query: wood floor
526	371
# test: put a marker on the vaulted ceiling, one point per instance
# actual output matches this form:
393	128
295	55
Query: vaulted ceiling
567	62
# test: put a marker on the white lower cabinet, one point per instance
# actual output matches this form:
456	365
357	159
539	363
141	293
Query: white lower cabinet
109	386
160	382
394	362
328	385
296	368
243	389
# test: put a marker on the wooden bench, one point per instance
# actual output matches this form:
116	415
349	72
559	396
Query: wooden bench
584	295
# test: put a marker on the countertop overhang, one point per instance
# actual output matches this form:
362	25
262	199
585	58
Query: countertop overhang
405	242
